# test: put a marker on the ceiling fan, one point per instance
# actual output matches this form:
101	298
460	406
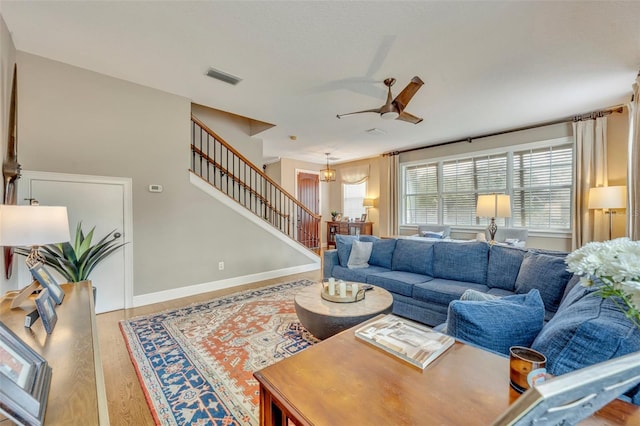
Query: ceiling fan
394	109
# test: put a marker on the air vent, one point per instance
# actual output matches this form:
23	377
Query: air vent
223	76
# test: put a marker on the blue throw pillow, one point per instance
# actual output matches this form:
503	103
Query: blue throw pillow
586	330
382	252
431	234
548	274
497	324
343	245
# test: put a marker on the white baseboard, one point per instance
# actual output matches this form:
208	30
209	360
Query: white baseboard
176	293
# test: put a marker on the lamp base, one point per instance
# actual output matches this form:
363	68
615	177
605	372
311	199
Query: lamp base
34	258
492	228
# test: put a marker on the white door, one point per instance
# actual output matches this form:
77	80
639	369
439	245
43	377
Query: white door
94	201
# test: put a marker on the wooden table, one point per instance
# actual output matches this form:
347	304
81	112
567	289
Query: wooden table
344	381
77	395
323	318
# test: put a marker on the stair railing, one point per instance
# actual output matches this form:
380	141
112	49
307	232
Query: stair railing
218	163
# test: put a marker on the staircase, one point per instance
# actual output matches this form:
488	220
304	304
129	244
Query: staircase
224	168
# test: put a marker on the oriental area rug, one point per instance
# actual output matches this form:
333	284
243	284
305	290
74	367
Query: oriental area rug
196	363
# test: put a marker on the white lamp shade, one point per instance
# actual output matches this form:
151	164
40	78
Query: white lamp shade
493	205
33	225
367	202
608	197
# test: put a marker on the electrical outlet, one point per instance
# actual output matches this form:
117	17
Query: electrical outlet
220	266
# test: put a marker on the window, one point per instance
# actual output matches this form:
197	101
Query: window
542	186
539	181
354	195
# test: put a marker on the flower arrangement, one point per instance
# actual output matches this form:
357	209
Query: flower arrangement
614	267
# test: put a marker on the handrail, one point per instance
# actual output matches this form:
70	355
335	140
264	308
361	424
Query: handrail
250	164
223	167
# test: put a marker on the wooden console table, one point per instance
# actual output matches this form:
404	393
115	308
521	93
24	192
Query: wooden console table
77	395
344	381
346	228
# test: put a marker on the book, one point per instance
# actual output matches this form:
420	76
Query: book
412	342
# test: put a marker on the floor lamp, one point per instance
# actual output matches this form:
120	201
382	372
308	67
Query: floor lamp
493	205
608	198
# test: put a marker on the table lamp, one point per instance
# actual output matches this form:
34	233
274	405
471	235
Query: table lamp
608	198
493	205
33	226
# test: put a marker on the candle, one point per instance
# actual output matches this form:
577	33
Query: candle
343	288
354	289
332	287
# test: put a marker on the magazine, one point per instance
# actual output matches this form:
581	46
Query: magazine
408	340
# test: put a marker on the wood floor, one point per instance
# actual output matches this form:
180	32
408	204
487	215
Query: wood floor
127	405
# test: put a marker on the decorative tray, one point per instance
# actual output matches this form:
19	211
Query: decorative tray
348	298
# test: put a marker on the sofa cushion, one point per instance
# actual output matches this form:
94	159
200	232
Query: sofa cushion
548	274
461	261
360	253
504	265
343	245
397	281
497	324
413	256
382	252
359	275
586	330
444	291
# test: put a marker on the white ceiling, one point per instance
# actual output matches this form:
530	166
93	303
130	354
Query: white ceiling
487	66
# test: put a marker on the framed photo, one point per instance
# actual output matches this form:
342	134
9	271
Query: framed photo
338	217
363	218
45	279
47	311
25	379
571	397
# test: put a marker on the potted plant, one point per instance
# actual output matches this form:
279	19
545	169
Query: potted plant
76	261
334	215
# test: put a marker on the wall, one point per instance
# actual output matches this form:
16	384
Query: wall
76	121
7	60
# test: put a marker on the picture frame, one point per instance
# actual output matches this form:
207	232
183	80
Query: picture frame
22	295
363	218
25	379
571	397
338	217
47	311
44	277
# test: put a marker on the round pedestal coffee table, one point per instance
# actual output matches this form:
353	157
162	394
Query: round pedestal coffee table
323	318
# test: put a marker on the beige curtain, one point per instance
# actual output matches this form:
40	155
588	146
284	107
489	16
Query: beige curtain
590	170
633	169
392	189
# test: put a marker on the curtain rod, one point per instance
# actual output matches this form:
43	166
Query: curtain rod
587	116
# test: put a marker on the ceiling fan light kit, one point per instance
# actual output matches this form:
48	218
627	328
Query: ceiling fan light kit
393	109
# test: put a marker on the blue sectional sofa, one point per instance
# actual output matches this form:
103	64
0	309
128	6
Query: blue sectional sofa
537	303
424	276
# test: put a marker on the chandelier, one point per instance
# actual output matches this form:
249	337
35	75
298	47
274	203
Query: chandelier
328	174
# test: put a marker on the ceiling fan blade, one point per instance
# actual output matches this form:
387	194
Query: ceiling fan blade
405	116
407	93
376	110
